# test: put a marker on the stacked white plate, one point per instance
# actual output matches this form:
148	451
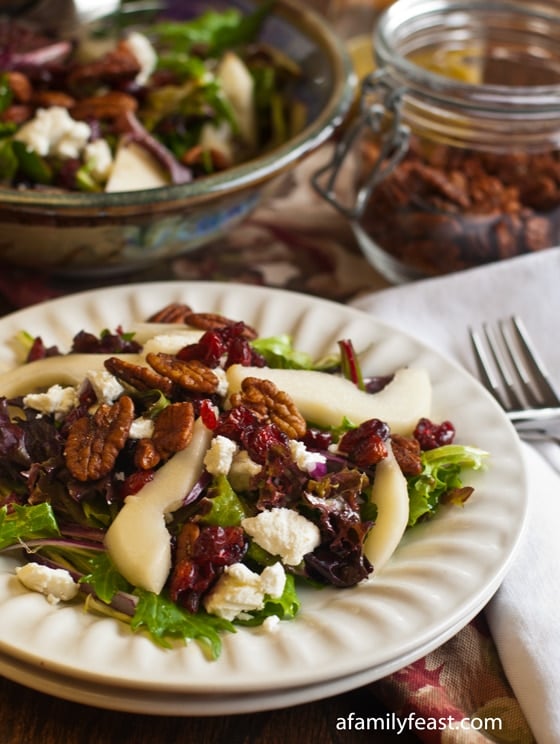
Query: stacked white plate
442	574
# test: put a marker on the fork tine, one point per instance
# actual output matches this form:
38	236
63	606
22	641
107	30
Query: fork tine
510	367
485	369
540	374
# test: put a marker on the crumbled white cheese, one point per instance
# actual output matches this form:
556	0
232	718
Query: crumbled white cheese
54	132
270	624
105	385
219	456
304	459
170	343
223	384
240	590
55	583
142	49
242	470
283	532
57	399
141	428
99	159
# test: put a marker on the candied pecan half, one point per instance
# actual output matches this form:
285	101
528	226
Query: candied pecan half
20	85
94	441
138	376
117	66
173	428
48	98
214	321
269	403
146	455
174	312
407	454
190	375
109	105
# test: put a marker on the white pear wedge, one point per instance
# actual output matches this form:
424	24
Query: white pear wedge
390	495
68	369
138	541
324	399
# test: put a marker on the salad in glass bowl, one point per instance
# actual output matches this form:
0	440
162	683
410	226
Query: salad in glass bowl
187	476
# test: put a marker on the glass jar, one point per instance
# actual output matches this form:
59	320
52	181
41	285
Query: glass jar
455	149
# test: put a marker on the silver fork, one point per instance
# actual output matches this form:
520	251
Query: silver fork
512	370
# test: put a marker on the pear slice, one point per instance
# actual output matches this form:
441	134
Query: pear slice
324	399
390	494
68	369
138	541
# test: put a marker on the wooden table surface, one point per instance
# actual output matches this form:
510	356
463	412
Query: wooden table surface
31	717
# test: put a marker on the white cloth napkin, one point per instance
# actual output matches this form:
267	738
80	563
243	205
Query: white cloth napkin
523	614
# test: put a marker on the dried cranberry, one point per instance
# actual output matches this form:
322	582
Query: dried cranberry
258	440
234	422
135	481
316	439
208	349
207	413
365	445
431	435
220	546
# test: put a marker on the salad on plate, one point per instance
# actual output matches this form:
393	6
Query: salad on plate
187	476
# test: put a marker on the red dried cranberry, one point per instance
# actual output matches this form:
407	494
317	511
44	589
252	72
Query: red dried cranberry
235	422
207	413
316	439
220	546
365	445
208	349
430	435
135	481
258	440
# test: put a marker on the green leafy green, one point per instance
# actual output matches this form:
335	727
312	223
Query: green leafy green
225	507
31	164
24	523
104	578
165	621
279	352
214	31
441	474
285	607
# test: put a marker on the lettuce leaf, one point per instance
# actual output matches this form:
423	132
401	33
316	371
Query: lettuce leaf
24	523
164	620
441	478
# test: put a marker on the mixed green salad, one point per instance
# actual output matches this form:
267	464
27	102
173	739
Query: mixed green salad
155	104
188	476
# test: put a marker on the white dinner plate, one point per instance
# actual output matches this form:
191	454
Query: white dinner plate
443	572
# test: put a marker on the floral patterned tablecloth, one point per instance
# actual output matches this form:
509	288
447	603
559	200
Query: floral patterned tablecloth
299	242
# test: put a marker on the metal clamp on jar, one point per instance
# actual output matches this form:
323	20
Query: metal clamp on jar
456	142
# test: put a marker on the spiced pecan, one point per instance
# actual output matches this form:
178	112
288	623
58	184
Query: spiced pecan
117	66
110	105
407	453
214	321
196	156
17	113
174	312
138	376
20	86
48	98
173	429
94	441
191	375
146	455
269	403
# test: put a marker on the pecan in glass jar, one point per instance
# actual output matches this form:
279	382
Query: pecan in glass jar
456	147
